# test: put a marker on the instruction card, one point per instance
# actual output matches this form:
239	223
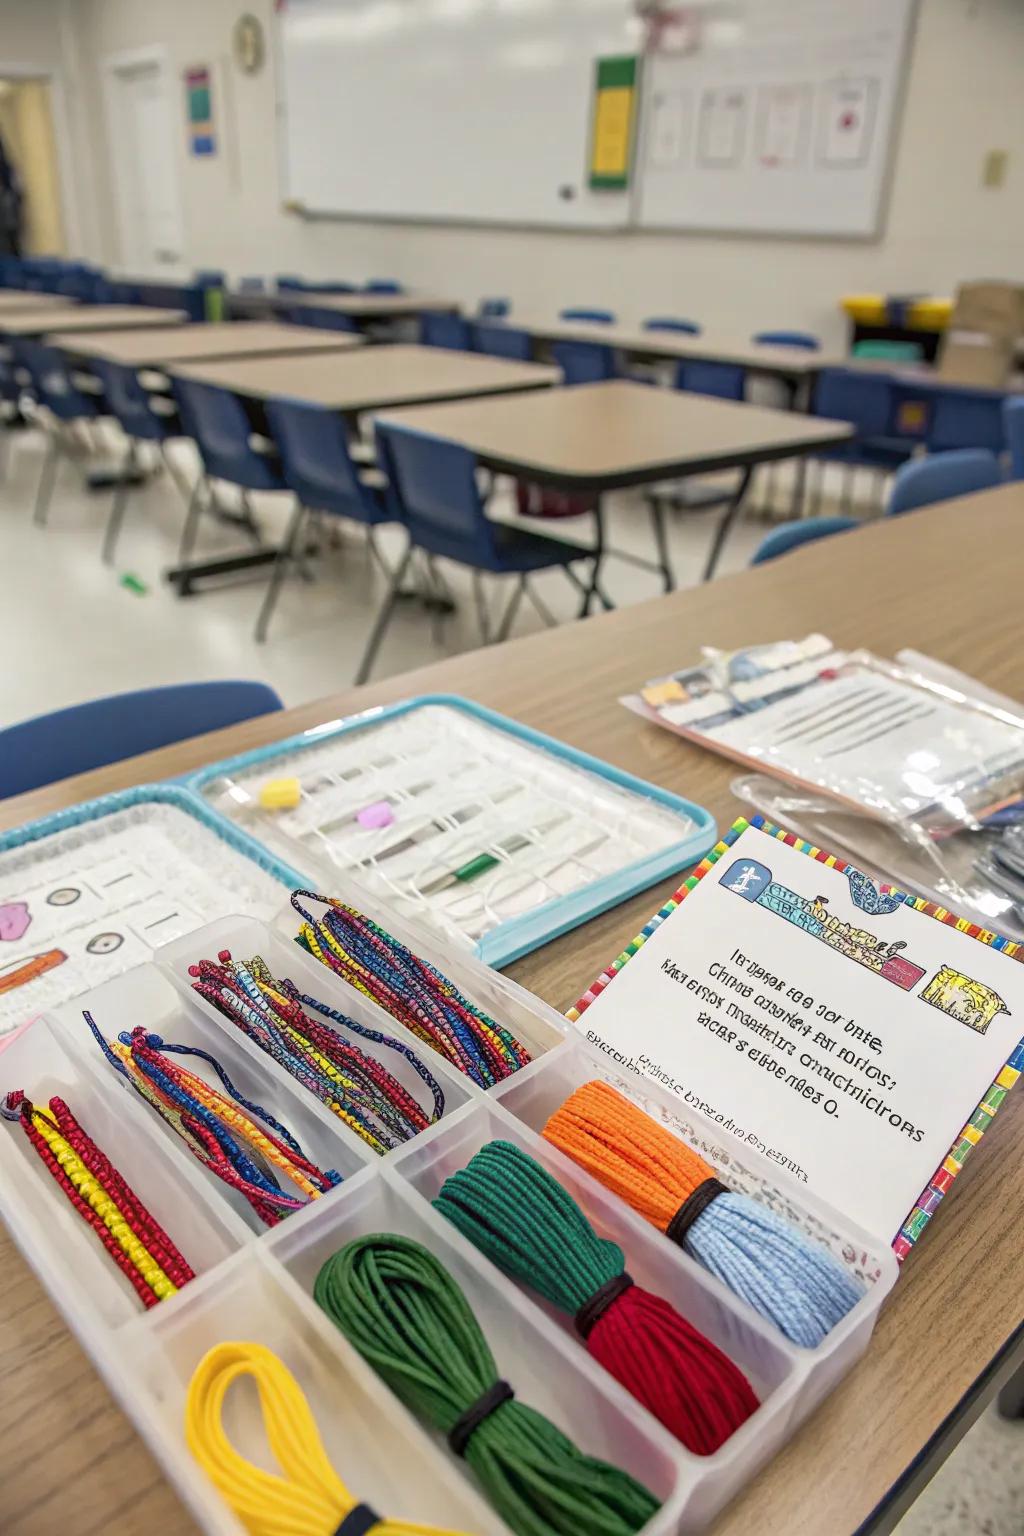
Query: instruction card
833	1025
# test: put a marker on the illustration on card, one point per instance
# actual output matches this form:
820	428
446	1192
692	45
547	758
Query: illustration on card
969	1002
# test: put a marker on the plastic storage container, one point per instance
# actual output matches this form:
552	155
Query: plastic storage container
257	1284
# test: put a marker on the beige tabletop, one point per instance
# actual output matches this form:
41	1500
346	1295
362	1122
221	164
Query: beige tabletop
187	343
374	377
17	301
90	317
70	1462
365	306
598	436
777	362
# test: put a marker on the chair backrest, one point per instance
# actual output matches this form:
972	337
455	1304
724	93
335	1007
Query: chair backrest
320	319
584	362
216	421
315	460
437	495
51	381
940	477
589	316
382	285
503	341
865	399
805	530
289	284
494	309
86	736
1013	427
802	339
965	418
448	331
670	323
128	401
723	380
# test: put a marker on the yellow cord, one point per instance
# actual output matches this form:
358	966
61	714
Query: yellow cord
310	1499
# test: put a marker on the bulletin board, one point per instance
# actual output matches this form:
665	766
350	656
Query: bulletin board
774	117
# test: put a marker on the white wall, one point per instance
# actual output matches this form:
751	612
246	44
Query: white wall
965	96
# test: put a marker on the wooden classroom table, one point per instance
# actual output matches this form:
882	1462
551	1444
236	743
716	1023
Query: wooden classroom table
155	348
793	366
951	1332
18	301
602	437
367	379
89	317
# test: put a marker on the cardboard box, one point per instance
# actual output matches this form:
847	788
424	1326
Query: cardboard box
980	345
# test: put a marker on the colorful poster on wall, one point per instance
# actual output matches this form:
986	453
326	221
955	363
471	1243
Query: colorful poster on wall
199	108
615	98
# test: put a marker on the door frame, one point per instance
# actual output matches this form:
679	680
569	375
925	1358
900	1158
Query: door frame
112	67
66	176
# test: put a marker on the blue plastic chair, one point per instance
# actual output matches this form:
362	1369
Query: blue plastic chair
802	339
319	319
53	388
584	362
669	323
942	476
382	285
1013	427
589	316
87	736
132	408
448	331
318	467
216	421
866	400
494	309
965	418
725	381
503	341
805	530
438	500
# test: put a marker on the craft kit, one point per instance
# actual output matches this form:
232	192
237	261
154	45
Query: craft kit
330	1143
491	834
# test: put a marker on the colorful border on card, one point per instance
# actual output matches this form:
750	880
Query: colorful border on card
927	1202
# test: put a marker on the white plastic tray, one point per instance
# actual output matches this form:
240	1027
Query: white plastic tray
256	1284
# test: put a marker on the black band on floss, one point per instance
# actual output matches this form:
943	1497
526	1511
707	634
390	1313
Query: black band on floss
693	1206
592	1311
467	1424
360	1519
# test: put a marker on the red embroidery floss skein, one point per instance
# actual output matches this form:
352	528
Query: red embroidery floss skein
515	1212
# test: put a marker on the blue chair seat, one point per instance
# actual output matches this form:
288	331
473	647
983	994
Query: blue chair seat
806	530
517	549
87	736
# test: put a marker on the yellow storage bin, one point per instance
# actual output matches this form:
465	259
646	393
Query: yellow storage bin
873	309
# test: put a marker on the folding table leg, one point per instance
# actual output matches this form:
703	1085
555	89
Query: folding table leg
725	523
383	620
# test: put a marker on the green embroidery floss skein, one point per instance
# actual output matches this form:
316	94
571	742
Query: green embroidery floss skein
399	1307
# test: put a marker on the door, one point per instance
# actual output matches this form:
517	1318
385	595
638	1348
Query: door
146	170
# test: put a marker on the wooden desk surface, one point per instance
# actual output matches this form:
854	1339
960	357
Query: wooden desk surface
777	362
374	377
16	301
90	317
365	306
193	343
598	436
68	1459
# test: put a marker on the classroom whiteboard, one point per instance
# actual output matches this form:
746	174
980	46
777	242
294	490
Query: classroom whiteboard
778	117
447	109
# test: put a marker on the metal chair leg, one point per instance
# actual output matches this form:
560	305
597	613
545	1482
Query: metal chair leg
846	500
47	477
505	626
595	589
542	608
119	505
482	612
661	542
195	508
383	620
285	556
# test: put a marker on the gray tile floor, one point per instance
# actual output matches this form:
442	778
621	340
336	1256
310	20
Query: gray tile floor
70	630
